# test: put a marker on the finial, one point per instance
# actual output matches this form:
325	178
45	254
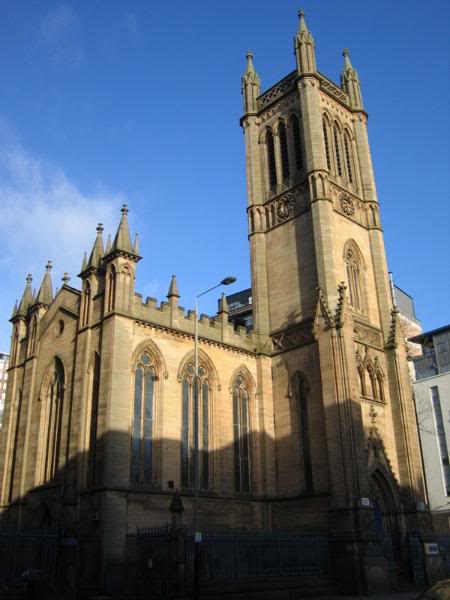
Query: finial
100	228
249	55
65	278
48	266
124	209
29	278
301	13
302	24
346	55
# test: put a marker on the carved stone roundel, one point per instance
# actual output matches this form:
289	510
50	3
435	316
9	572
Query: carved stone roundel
347	205
285	207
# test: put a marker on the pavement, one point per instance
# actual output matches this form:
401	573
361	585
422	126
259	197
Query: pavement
412	595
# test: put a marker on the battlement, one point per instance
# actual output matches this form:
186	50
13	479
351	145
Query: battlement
172	316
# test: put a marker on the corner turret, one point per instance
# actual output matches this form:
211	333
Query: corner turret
350	82
304	47
251	86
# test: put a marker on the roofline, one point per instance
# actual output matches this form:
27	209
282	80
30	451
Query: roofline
419	339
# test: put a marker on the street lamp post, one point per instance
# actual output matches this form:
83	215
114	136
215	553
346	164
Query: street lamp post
197	534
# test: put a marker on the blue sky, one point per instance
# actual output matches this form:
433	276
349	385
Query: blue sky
139	101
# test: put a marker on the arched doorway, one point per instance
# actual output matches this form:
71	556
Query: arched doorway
386	514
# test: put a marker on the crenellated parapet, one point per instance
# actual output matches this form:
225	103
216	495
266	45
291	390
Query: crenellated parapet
178	321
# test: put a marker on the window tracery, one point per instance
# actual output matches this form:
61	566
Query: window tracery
142	421
241	431
188	387
326	142
53	418
295	126
283	151
272	169
354	266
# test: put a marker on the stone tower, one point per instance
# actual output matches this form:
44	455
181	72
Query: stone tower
345	427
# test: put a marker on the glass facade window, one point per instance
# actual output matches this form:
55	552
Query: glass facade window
441	439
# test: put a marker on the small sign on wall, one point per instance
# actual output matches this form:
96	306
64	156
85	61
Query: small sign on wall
431	549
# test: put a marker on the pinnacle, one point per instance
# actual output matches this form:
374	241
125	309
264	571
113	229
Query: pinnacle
97	249
223	304
302	27
173	288
347	63
27	298
122	241
45	294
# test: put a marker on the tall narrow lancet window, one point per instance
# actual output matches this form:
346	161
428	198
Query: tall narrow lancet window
301	395
362	382
17	409
112	288
354	267
15	346
33	335
87	303
348	157
336	135
373	387
271	165
54	406
241	427
326	142
142	420
283	150
94	384
188	384
295	125
380	387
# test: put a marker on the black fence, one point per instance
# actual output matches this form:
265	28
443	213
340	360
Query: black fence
228	556
25	553
231	556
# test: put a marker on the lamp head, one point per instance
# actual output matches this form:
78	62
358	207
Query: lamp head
228	280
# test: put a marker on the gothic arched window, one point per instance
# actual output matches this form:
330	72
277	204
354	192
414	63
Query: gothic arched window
301	395
87	303
33	334
283	151
373	386
362	381
348	156
54	406
142	420
272	169
326	142
112	289
337	149
15	346
94	387
353	262
241	427
380	387
187	426
295	126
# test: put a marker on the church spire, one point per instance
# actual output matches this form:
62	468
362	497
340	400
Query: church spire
251	86
27	298
223	305
97	249
304	47
350	82
45	294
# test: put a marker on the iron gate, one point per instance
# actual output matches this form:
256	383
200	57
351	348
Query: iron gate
27	550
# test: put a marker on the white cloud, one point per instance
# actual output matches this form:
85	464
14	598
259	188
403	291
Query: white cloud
43	215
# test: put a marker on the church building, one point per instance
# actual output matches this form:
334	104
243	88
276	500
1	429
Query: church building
306	419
